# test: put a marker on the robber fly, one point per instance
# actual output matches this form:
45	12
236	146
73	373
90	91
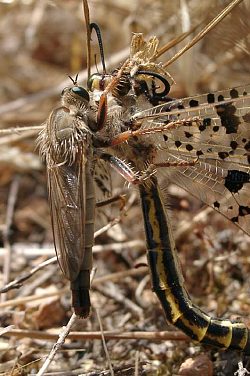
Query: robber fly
123	119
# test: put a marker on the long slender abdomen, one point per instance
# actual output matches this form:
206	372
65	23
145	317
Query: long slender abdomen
168	284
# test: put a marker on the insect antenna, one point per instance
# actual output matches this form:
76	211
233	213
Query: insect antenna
159	77
204	31
74	80
94	26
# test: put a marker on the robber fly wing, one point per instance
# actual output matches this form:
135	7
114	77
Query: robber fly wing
66	189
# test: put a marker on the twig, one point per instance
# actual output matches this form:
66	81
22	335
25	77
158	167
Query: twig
104	343
114	293
137	360
9	218
6	330
17	283
39	281
118	219
150	336
32	298
110	277
61	338
30	251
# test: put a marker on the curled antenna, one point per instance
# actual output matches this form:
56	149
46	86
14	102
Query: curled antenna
159	77
74	80
94	26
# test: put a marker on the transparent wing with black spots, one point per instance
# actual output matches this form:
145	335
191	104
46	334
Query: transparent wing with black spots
103	182
214	145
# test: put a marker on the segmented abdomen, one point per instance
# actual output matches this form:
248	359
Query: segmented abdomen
167	281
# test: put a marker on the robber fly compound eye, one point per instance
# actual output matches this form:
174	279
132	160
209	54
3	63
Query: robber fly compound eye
64	91
81	92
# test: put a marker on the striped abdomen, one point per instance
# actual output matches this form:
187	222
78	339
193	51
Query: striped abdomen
167	281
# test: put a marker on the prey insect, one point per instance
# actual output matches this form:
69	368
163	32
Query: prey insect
201	143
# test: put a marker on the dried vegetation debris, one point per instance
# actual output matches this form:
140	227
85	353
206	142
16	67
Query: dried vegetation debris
40	43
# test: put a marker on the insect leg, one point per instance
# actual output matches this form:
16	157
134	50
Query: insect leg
123	168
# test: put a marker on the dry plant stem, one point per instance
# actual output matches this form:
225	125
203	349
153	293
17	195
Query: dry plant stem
187	227
6	330
204	31
58	344
141	286
17	301
62	337
29	251
112	292
17	283
111	277
104	343
33	130
9	218
39	281
137	360
115	334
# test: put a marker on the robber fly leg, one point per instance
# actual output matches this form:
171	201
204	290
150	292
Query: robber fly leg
176	164
123	168
111	200
152	168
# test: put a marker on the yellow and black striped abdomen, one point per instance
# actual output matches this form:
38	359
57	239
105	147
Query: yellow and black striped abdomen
167	281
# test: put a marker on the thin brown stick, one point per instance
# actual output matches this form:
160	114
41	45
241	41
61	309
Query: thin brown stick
204	31
111	277
17	283
9	218
150	336
112	292
137	362
57	346
104	344
61	338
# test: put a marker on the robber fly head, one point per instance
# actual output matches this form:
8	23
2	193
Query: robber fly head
75	96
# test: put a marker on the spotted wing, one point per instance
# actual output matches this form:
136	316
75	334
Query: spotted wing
66	185
102	177
211	144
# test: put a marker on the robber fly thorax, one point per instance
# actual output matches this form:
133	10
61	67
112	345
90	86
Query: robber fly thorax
135	91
